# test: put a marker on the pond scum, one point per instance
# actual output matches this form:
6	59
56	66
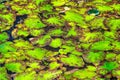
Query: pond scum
59	39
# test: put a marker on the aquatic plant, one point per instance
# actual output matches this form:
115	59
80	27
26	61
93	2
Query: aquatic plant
59	39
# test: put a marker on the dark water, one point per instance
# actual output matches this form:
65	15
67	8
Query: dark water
20	19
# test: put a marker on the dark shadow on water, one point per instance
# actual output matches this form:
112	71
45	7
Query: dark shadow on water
20	19
51	48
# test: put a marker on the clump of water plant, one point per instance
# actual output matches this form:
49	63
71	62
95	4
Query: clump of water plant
59	39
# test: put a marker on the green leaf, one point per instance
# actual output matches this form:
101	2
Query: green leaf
34	65
94	57
114	24
36	32
104	8
21	44
22	33
116	45
34	22
91	36
39	1
74	17
26	76
72	32
6	47
89	17
37	53
102	45
116	7
14	67
50	75
73	60
55	43
24	11
43	40
110	66
2	6
3	37
84	74
3	74
54	65
58	2
9	18
46	7
109	34
56	32
66	49
97	23
55	21
110	56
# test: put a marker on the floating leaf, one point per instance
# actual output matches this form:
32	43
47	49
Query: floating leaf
91	36
21	44
116	7
6	47
55	21
37	53
110	66
26	76
102	45
110	56
97	23
66	49
22	33
50	75
114	24
3	74
3	37
56	32
54	65
116	45
34	65
46	7
34	22
84	74
74	17
73	60
58	2
72	32
14	67
104	8
95	57
55	43
39	1
44	40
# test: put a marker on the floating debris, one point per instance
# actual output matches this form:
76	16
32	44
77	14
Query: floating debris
93	12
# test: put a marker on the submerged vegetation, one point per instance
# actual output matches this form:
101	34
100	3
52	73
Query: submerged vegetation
59	39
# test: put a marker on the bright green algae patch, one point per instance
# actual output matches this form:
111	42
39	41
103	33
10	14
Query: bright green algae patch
59	39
